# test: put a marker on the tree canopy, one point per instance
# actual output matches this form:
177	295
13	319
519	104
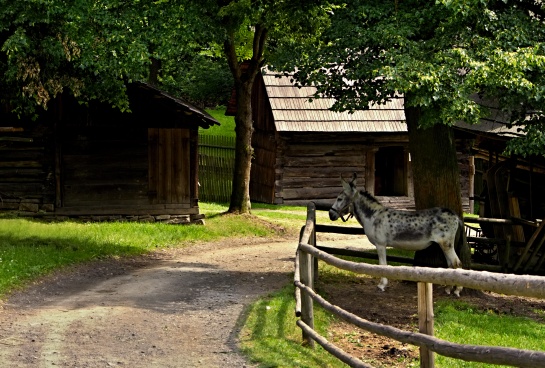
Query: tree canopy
451	59
90	48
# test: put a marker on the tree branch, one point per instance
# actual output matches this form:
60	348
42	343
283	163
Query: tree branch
231	55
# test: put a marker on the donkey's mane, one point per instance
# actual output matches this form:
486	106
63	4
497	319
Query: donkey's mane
369	196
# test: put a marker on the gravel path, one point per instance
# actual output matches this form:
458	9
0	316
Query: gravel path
175	308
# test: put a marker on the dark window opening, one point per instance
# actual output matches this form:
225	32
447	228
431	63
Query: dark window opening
390	172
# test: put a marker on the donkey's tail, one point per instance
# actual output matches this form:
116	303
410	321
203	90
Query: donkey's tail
461	244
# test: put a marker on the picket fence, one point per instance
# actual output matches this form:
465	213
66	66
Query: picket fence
216	165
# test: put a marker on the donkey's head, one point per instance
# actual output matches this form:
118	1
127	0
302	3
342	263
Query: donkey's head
343	203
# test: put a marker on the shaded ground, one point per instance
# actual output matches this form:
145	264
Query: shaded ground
182	308
397	306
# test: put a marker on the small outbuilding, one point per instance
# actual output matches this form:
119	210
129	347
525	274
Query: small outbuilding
302	147
95	162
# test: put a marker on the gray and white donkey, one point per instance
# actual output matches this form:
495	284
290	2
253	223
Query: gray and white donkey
409	230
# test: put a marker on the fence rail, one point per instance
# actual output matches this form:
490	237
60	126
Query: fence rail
216	165
305	273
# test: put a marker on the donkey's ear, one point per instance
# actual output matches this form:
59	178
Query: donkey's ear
346	185
354	179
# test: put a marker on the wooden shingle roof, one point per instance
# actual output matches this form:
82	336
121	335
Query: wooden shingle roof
293	112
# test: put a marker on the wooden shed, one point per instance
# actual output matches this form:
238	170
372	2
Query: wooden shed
509	195
95	162
302	148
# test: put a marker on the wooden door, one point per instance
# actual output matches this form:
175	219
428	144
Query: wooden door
169	166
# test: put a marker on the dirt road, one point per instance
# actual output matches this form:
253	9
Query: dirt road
175	308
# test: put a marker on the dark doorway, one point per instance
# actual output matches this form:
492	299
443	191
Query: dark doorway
390	172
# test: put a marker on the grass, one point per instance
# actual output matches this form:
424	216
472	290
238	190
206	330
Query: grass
462	323
271	337
227	123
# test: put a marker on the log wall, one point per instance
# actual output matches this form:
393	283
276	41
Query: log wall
309	165
104	167
26	168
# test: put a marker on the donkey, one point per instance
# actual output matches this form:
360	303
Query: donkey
409	230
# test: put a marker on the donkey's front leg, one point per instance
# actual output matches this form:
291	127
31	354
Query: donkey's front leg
453	262
381	251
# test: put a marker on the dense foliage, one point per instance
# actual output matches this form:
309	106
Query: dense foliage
90	48
455	60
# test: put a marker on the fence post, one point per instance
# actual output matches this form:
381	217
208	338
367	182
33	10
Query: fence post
311	213
307	307
425	321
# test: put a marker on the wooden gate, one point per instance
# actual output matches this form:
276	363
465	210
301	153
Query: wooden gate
169	166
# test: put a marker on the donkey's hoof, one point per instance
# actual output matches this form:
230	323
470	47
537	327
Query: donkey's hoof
458	290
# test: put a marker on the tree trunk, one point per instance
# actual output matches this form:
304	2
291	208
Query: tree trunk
244	76
436	178
154	71
240	195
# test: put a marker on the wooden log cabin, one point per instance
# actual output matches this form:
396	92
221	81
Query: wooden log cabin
97	163
302	148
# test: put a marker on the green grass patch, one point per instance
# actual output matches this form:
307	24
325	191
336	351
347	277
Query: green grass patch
31	248
460	322
227	127
272	339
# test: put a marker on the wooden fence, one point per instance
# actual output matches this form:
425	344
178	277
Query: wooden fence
306	274
216	165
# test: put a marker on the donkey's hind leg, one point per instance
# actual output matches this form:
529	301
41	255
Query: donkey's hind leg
381	251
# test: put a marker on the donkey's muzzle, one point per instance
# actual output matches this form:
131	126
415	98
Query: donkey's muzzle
333	215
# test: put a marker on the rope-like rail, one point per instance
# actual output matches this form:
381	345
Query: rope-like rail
473	353
519	285
332	349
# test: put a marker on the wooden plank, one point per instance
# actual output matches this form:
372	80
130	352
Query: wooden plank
167	163
328	161
159	162
126	210
502	180
25	172
123	177
528	246
313	150
514	211
104	192
310	193
301	182
23	164
185	167
22	189
328	172
177	165
22	155
493	198
153	137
